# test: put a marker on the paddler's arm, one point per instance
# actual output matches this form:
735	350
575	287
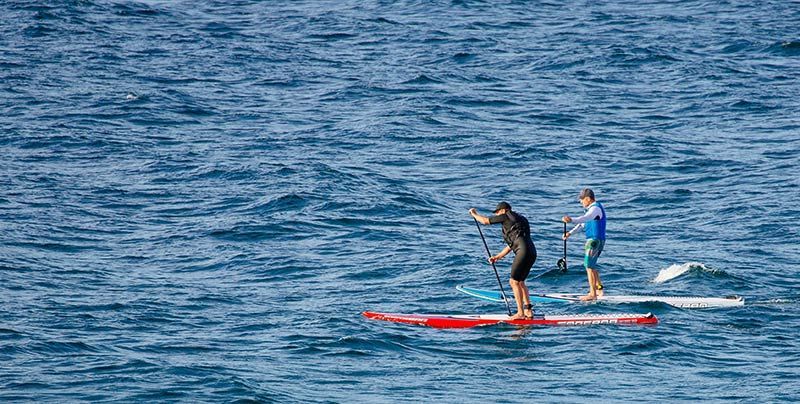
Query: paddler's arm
479	217
573	231
500	255
590	214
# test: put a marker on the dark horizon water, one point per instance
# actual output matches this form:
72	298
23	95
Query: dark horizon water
200	198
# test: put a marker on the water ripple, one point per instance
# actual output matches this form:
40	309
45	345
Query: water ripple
199	201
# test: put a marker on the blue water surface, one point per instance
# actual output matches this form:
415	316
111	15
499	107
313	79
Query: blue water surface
198	199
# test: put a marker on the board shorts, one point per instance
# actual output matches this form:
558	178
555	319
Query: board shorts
524	257
592	250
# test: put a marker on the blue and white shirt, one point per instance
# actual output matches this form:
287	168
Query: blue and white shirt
593	221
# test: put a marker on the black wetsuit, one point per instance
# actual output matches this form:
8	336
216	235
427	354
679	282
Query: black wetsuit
517	234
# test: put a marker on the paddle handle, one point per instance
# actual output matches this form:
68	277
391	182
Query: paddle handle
497	275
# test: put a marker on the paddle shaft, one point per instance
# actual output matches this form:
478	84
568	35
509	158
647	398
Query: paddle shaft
562	262
505	299
565	246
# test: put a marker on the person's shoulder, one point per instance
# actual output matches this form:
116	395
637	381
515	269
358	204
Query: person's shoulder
601	209
498	218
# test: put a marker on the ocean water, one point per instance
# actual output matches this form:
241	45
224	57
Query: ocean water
198	199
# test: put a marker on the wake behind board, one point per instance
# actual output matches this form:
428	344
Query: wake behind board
478	320
676	301
554	272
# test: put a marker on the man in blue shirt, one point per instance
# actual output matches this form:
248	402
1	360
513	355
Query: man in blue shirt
594	224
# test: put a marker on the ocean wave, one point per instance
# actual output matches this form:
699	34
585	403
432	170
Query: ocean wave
675	270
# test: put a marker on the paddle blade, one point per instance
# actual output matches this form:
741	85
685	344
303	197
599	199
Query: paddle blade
562	265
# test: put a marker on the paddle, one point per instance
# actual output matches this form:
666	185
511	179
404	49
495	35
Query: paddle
503	292
562	262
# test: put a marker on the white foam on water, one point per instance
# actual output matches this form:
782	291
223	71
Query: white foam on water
676	270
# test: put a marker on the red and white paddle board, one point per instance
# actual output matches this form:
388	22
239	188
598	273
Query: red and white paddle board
476	320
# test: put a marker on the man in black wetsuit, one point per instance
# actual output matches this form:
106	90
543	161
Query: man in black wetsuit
517	235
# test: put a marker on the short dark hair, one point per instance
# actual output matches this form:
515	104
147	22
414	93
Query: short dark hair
586	192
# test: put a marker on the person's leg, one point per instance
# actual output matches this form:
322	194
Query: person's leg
520	268
515	287
592	292
593	255
598	284
591	252
527	307
586	258
526	296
